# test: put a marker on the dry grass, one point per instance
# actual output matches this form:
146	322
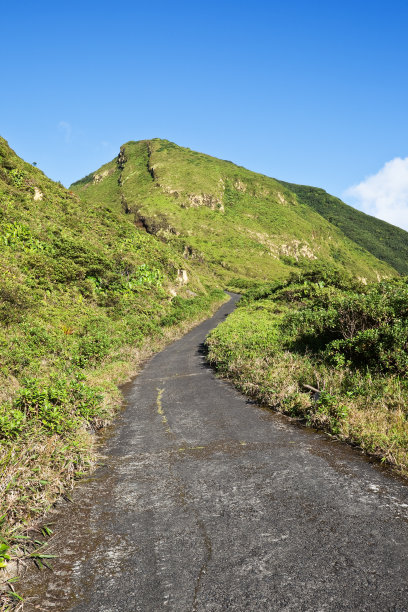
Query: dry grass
373	419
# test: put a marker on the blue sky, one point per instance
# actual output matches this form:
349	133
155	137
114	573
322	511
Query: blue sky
309	91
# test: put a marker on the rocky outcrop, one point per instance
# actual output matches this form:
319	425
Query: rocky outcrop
191	200
192	253
38	195
182	277
98	177
125	205
239	185
181	281
121	162
173	192
297	249
205	199
150	167
266	241
121	159
157	225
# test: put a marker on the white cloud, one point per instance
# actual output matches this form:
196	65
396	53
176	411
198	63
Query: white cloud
385	194
66	129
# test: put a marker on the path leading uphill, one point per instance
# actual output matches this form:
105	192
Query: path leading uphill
208	502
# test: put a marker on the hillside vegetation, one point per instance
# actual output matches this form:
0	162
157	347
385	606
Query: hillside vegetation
83	293
222	218
382	239
329	350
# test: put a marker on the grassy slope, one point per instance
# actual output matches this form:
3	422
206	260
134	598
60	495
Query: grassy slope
349	343
82	290
229	220
385	241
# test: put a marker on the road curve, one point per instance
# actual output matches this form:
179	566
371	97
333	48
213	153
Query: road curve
209	502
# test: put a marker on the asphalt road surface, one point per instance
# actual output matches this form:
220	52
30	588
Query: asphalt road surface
209	502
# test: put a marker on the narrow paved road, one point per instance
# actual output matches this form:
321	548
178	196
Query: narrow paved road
208	502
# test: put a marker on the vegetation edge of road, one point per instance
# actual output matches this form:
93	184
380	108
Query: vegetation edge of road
20	543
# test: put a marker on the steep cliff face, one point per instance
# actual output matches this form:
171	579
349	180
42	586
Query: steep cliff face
242	224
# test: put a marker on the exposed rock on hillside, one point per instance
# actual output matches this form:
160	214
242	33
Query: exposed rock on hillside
205	199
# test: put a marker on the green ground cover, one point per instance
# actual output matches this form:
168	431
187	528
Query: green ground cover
324	330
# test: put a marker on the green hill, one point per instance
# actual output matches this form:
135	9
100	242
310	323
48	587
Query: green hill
383	240
221	217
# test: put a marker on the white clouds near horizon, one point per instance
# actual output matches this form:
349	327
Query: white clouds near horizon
385	194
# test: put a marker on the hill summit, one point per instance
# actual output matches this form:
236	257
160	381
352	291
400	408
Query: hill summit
235	223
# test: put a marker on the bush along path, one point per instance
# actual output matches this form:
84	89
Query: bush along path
329	350
207	501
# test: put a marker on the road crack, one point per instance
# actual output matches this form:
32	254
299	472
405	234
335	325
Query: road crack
207	559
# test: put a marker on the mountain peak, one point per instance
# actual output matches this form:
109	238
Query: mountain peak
239	223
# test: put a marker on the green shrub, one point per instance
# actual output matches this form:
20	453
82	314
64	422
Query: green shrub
87	400
94	343
12	422
380	349
328	411
95	264
145	275
15	300
17	177
47	270
92	349
59	407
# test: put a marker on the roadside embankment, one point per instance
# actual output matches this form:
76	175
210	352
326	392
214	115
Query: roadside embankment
329	352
